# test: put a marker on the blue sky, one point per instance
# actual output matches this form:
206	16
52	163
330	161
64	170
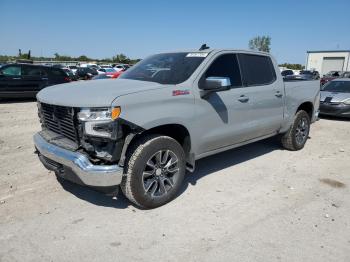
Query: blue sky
138	28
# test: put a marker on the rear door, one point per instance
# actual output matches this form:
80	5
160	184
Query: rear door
264	92
11	79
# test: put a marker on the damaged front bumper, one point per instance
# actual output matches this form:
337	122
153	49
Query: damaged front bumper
74	164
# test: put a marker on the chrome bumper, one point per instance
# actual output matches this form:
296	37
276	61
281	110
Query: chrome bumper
89	174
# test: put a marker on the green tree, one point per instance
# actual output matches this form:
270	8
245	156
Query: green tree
121	58
292	66
260	43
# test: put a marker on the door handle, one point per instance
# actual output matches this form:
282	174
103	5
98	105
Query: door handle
243	99
16	78
44	78
278	94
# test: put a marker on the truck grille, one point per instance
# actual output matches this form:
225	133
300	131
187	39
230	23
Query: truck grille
59	119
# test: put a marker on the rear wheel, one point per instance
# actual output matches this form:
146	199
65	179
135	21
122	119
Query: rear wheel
298	133
154	172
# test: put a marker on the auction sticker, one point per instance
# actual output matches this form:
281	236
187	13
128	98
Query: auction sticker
197	54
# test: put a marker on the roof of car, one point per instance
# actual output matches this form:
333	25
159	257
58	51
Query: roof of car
215	50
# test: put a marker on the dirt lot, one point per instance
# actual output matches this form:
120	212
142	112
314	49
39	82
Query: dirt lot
256	203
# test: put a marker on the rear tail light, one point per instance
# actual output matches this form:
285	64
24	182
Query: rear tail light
67	79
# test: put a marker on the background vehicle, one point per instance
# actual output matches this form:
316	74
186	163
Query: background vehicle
25	80
345	74
304	75
143	130
287	72
73	68
86	73
121	67
70	74
330	76
105	76
335	98
105	66
107	71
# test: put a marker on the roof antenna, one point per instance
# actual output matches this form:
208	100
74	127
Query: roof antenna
203	47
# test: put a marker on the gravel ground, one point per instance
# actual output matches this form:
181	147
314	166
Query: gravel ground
255	203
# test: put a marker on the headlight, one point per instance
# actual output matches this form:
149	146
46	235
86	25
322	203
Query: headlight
347	101
99	121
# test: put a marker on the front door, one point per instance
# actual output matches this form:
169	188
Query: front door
10	79
220	120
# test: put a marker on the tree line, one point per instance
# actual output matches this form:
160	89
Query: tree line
119	58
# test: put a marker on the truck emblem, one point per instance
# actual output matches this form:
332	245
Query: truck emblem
181	92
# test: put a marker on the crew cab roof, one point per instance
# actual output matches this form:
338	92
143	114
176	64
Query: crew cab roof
216	50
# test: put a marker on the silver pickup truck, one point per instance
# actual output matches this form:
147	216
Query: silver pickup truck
142	131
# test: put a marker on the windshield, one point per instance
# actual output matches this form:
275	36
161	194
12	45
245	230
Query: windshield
337	86
170	68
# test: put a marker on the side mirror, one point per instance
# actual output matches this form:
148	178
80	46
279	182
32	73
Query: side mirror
216	84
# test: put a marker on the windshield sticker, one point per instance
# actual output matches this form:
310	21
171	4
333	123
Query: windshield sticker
197	55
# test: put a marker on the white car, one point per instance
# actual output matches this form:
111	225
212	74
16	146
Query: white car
119	68
73	68
107	71
106	66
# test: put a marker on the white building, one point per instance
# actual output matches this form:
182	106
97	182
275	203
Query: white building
325	61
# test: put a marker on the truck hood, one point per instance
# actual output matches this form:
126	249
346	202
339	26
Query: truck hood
336	96
93	93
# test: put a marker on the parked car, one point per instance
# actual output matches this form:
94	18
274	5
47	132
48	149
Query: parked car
335	98
107	71
330	76
26	80
121	67
287	72
73	68
345	74
105	76
70	74
105	66
304	75
143	130
86	73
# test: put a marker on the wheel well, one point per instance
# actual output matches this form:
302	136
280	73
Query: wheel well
175	131
307	107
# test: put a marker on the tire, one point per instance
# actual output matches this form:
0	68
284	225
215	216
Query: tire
154	171
298	133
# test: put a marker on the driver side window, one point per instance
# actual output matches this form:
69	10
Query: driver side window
225	66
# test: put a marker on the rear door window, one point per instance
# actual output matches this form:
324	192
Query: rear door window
34	71
257	70
226	66
12	71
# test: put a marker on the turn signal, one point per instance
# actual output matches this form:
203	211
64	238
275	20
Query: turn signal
116	112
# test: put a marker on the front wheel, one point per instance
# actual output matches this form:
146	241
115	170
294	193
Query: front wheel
155	171
298	133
